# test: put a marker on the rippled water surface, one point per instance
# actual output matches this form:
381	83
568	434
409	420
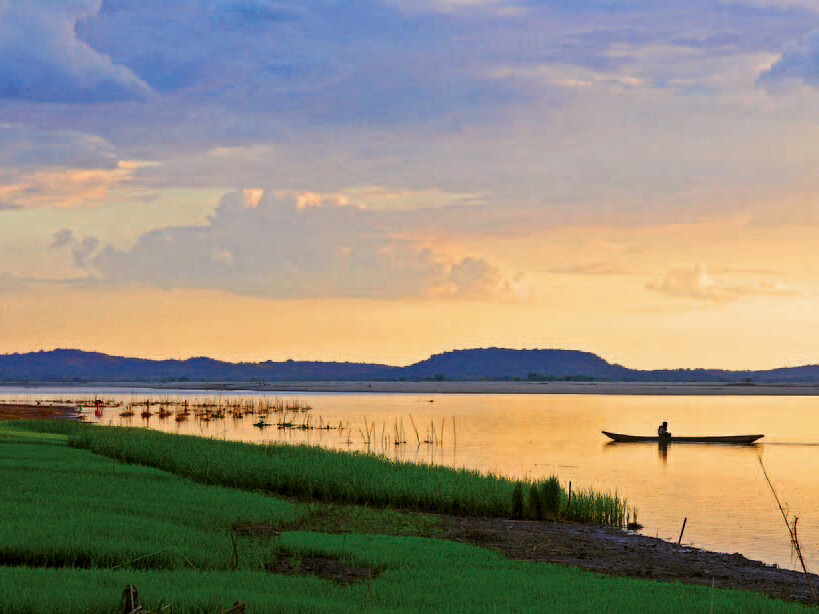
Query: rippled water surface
720	489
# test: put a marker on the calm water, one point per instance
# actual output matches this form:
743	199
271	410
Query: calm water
720	489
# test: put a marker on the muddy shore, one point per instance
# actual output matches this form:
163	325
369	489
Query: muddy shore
614	552
18	411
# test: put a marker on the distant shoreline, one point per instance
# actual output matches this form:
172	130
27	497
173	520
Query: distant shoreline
462	387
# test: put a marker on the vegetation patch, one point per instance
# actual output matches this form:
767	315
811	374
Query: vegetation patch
314	474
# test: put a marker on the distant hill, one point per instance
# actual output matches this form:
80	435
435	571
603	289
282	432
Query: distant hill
76	365
476	364
500	363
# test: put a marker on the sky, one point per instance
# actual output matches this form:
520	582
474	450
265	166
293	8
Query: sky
381	180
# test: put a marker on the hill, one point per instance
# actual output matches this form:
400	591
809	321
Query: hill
501	363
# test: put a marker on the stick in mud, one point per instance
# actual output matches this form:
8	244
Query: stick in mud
414	428
679	541
791	529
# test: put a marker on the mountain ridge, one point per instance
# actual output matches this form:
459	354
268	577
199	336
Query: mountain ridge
71	365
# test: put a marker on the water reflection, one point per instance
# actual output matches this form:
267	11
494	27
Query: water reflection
664	446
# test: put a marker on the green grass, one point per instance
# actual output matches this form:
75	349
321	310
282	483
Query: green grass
64	507
425	577
90	517
314	474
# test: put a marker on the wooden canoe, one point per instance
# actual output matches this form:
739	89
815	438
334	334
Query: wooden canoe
734	439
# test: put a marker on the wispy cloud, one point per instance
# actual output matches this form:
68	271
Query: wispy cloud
598	267
66	187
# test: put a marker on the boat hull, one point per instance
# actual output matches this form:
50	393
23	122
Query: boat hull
732	439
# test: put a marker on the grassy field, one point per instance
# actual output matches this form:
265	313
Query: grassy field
314	474
77	527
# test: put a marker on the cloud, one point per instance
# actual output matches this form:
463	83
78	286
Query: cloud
83	251
799	61
477	278
10	282
597	267
44	61
698	284
27	148
64	187
62	238
293	245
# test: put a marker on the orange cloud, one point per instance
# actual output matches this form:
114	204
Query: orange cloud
697	283
67	187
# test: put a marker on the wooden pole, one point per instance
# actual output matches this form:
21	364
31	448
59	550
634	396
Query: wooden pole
679	541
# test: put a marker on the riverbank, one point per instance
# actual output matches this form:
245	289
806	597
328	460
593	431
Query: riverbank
199	546
456	387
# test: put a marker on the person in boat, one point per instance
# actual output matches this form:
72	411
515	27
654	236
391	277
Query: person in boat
663	432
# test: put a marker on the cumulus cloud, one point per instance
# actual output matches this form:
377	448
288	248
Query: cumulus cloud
42	60
698	284
477	278
292	245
